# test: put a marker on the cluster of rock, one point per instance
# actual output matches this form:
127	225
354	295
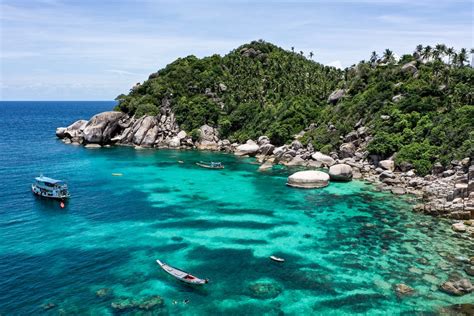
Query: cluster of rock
447	192
145	304
160	131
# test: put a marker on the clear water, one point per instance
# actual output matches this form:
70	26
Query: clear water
345	246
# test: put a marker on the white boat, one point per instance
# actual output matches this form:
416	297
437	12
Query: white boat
210	165
50	188
181	275
277	259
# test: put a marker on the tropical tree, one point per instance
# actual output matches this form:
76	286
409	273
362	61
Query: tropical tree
427	53
311	55
450	52
462	57
439	51
388	56
373	57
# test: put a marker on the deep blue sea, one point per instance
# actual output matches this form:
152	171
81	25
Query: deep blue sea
346	246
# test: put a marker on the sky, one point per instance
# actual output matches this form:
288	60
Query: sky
96	50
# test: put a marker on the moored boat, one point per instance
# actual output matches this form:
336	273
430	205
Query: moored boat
50	188
210	165
181	275
277	259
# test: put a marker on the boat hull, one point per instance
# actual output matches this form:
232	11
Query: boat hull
208	166
48	195
181	275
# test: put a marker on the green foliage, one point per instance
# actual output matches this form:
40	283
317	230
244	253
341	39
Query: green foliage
261	89
146	109
421	155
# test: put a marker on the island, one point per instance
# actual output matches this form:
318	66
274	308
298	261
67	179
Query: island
406	124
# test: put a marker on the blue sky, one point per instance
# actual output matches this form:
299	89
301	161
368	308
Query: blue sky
95	50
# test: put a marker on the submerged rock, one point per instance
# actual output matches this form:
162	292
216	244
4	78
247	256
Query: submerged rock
49	305
265	290
151	302
308	179
104	292
403	290
123	304
458	310
458	288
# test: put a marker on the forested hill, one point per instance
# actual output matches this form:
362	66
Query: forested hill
420	106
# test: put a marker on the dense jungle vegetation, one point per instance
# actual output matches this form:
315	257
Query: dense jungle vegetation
420	106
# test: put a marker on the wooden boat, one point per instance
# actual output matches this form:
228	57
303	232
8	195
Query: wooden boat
277	259
211	165
181	275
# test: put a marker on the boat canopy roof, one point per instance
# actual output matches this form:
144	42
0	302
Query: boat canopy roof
48	180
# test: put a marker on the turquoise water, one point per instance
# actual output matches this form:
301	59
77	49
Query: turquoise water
345	246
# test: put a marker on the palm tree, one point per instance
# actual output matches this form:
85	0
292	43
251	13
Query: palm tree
427	52
439	50
373	57
311	55
449	52
462	57
388	56
293	49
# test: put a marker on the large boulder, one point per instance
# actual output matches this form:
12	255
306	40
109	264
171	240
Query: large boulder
250	148
410	68
340	172
336	95
146	124
266	149
75	130
174	142
347	150
324	159
208	133
262	140
296	161
387	164
208	138
308	179
102	127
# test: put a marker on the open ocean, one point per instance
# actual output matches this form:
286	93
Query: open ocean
346	246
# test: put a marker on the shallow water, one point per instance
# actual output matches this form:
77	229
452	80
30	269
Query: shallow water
345	246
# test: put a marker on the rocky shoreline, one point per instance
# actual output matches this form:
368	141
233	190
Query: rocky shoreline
446	192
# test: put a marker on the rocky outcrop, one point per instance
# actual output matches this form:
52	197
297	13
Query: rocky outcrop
208	138
102	127
447	192
308	179
410	68
336	95
340	172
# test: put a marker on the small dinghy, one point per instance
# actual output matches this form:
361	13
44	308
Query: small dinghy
277	259
182	275
211	165
117	174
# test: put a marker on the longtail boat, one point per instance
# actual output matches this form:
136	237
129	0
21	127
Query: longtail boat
181	275
211	165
